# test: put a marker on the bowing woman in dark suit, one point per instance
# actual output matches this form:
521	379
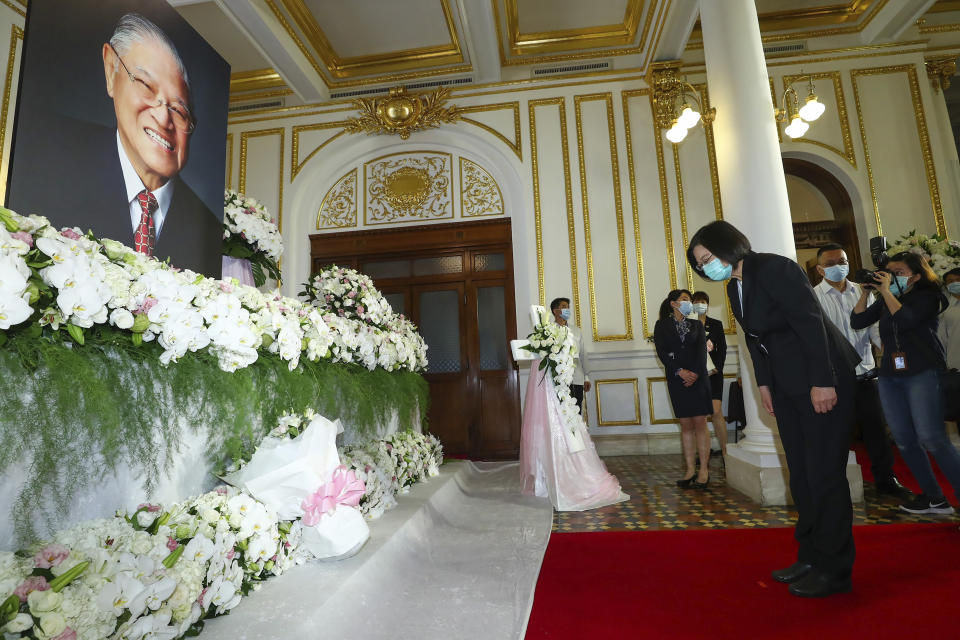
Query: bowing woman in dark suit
805	372
682	348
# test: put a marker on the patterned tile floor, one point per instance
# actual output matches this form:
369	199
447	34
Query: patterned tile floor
657	503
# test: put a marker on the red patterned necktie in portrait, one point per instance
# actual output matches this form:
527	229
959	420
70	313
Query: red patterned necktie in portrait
145	238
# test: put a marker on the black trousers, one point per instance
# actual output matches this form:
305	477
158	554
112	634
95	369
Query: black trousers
868	414
816	446
576	390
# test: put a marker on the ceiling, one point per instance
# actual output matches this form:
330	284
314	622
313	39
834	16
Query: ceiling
313	50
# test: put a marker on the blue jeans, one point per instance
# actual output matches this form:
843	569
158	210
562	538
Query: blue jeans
912	405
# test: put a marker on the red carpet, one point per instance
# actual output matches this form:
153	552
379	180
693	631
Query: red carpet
715	584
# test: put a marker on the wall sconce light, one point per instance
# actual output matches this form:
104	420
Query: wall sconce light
799	117
677	104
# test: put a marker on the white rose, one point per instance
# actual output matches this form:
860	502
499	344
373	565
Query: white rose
22	622
121	318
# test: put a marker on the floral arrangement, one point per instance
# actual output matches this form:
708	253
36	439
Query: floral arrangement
250	232
347	298
155	573
557	350
387	467
52	281
942	254
159	572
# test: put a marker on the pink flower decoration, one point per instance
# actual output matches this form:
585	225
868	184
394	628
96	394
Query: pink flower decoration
230	555
226	287
221	491
200	597
352	294
344	488
148	303
50	556
360	309
23	236
172	543
68	634
70	233
151	508
31	584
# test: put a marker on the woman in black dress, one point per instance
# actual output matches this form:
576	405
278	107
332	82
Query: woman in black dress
682	348
717	348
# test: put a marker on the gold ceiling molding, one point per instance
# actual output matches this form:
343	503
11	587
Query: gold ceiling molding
940	70
260	95
574	42
612	35
401	113
338	210
255	80
696	39
943	6
338	67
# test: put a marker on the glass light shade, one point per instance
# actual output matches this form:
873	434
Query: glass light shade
676	133
813	109
796	128
688	117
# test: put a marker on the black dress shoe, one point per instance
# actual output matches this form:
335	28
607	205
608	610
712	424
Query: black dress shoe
684	483
820	585
892	487
792	573
700	485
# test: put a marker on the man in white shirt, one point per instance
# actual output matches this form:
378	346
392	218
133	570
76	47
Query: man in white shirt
837	297
560	307
949	329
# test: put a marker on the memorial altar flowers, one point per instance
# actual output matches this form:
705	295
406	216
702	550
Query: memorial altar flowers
942	254
250	233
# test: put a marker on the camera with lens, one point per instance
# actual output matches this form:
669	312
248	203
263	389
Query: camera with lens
878	254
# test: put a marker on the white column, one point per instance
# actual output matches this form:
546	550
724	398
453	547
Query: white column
754	194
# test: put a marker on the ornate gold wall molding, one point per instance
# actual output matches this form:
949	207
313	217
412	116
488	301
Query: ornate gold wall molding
513	107
922	134
295	163
338	210
682	208
244	138
16	42
15	8
607	99
847	152
480	194
638	419
664	200
634	201
402	113
653	416
229	161
940	69
408	187
560	103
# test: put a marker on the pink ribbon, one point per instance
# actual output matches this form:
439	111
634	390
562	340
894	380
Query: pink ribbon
344	488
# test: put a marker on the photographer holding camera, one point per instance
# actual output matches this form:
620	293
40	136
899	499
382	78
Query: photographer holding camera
909	303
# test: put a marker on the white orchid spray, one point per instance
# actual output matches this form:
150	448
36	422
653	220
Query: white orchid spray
249	231
557	350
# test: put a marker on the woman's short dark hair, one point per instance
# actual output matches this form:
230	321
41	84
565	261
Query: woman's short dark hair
723	240
952	272
665	309
918	264
701	295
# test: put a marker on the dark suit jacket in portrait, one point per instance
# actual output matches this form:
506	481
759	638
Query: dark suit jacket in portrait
71	174
793	348
714	329
689	354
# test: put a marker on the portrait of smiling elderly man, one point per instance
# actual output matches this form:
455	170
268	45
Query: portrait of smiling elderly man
116	169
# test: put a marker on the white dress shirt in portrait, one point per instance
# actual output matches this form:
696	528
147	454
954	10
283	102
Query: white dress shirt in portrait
134	185
837	306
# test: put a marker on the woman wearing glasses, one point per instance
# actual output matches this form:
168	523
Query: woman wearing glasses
805	373
682	348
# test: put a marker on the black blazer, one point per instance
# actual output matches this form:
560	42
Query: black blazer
714	329
691	354
81	184
791	345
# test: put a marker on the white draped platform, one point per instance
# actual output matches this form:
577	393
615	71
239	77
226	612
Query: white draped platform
457	558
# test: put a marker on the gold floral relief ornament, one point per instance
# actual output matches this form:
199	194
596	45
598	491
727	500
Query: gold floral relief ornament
401	113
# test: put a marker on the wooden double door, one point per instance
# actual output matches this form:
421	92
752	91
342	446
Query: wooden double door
455	282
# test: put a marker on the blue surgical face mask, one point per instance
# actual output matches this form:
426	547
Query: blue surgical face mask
898	284
715	270
700	307
566	313
954	288
686	307
837	272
